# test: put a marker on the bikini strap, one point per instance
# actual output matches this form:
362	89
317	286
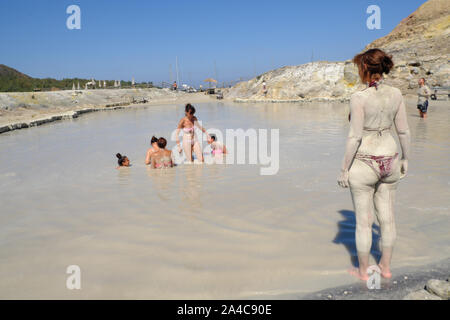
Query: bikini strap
379	130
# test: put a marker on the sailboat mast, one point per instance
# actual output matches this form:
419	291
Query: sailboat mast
176	66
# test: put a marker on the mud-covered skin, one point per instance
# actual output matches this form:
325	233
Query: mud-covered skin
374	112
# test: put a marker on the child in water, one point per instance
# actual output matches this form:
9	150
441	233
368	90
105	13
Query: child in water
216	147
163	157
123	161
152	150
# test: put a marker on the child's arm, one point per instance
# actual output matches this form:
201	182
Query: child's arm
148	156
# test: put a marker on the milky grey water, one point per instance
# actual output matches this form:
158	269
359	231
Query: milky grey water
202	231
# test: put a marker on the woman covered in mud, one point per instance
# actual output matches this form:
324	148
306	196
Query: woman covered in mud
372	167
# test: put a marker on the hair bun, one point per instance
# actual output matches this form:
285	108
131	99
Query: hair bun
387	63
118	155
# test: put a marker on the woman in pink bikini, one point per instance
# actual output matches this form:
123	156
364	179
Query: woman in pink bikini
190	141
372	166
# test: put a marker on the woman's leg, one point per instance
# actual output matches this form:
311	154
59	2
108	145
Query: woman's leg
362	180
198	151
187	147
384	205
362	197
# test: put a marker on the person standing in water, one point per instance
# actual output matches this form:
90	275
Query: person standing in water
162	158
423	94
264	88
371	165
152	150
190	141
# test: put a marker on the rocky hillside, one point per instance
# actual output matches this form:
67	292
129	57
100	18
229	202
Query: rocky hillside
419	44
311	81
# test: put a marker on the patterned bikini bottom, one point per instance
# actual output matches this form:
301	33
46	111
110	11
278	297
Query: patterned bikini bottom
381	165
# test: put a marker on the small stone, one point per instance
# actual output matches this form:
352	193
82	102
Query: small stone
440	288
421	294
395	282
345	292
406	278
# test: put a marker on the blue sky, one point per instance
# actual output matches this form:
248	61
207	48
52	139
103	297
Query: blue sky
140	38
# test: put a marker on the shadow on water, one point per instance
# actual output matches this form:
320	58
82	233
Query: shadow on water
346	236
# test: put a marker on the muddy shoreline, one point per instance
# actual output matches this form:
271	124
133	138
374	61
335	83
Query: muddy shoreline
404	281
17	112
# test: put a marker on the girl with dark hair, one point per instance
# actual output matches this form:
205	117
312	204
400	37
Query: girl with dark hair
163	157
152	150
217	148
371	165
123	161
190	141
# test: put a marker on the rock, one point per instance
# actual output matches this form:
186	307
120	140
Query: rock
415	70
421	294
419	46
420	40
351	73
440	288
312	81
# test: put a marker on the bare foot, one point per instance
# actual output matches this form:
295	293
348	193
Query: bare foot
385	272
356	273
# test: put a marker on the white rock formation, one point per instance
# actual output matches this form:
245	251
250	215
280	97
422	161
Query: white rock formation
311	81
420	46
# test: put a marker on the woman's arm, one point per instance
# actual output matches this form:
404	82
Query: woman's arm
177	133
401	124
353	139
404	136
197	124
